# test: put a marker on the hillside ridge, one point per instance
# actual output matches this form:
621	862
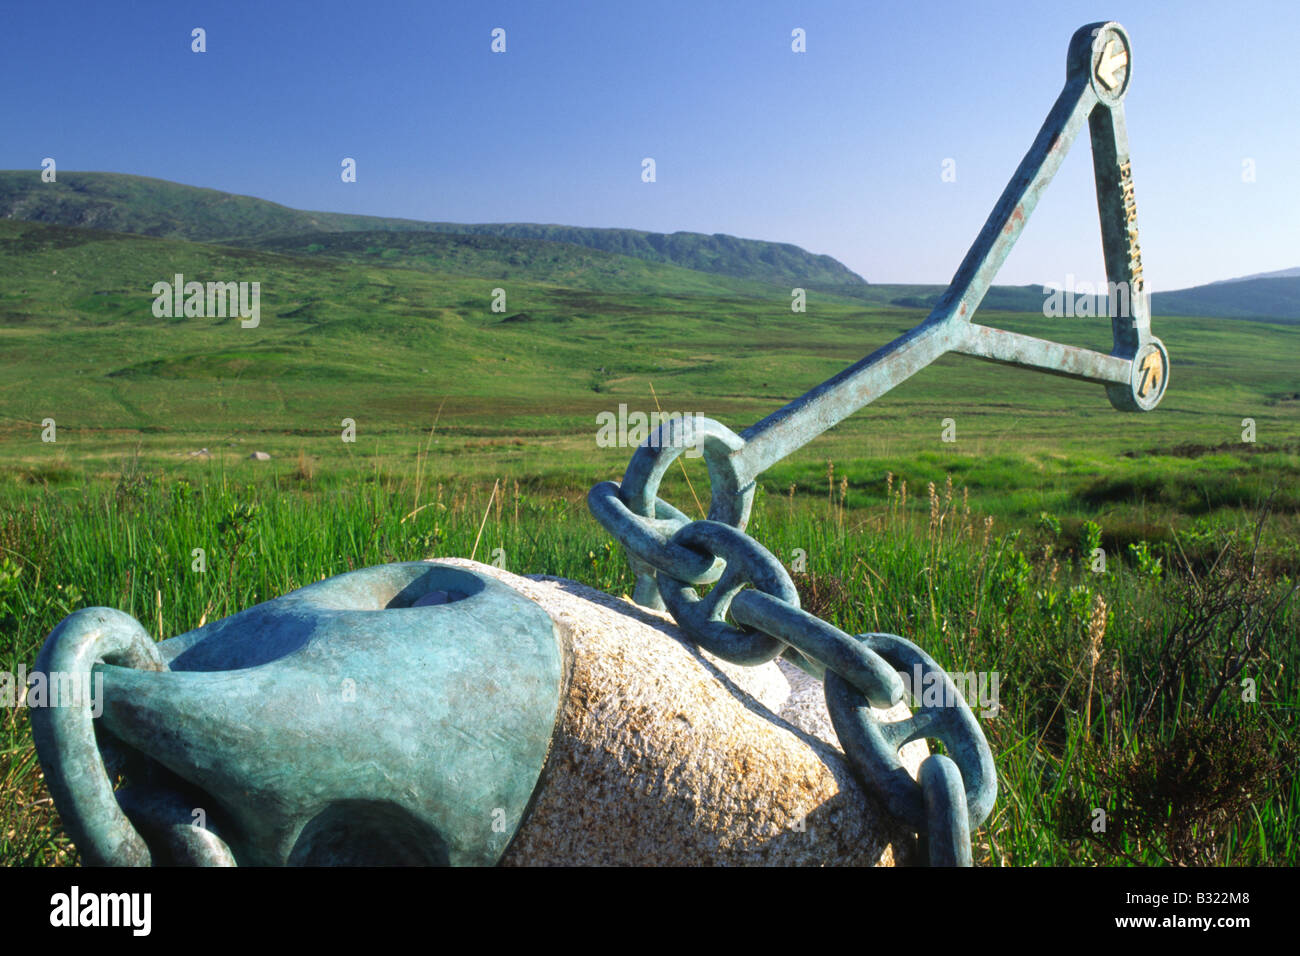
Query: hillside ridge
120	202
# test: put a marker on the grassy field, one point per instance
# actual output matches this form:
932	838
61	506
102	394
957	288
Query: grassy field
396	347
1112	685
1119	689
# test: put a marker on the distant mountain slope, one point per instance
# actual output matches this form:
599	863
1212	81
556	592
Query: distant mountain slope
1273	300
1277	299
1278	274
492	259
499	259
777	262
155	207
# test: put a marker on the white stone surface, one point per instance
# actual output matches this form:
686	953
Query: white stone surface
667	756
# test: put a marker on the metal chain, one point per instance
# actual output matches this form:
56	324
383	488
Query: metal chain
955	794
147	822
670	553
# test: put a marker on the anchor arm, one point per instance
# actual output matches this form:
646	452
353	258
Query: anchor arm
1025	351
1098	70
946	328
793	426
1135	374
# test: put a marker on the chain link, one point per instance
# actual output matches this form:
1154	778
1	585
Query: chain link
635	516
872	746
126	827
955	793
772	622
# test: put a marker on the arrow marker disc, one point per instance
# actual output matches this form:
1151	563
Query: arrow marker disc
1111	63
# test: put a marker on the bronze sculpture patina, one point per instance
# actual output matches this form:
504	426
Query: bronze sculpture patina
670	553
321	727
256	717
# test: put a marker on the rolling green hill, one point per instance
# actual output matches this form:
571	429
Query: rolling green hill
505	260
397	347
1268	298
155	207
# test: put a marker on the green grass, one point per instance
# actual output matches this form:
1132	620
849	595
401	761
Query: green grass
397	348
977	595
110	512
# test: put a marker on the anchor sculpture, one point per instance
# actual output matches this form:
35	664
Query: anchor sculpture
670	553
250	717
255	719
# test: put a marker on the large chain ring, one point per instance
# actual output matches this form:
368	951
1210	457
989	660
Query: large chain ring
705	619
823	645
872	747
71	758
634	514
770	614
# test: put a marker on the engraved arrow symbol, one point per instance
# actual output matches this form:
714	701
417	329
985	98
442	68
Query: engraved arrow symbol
1112	63
1152	369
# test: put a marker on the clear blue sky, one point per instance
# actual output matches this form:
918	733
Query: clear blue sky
838	150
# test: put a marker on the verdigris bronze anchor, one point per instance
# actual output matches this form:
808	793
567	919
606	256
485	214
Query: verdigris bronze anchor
407	713
514	721
397	714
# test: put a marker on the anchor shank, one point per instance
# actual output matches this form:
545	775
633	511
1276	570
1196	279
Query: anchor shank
993	244
793	426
